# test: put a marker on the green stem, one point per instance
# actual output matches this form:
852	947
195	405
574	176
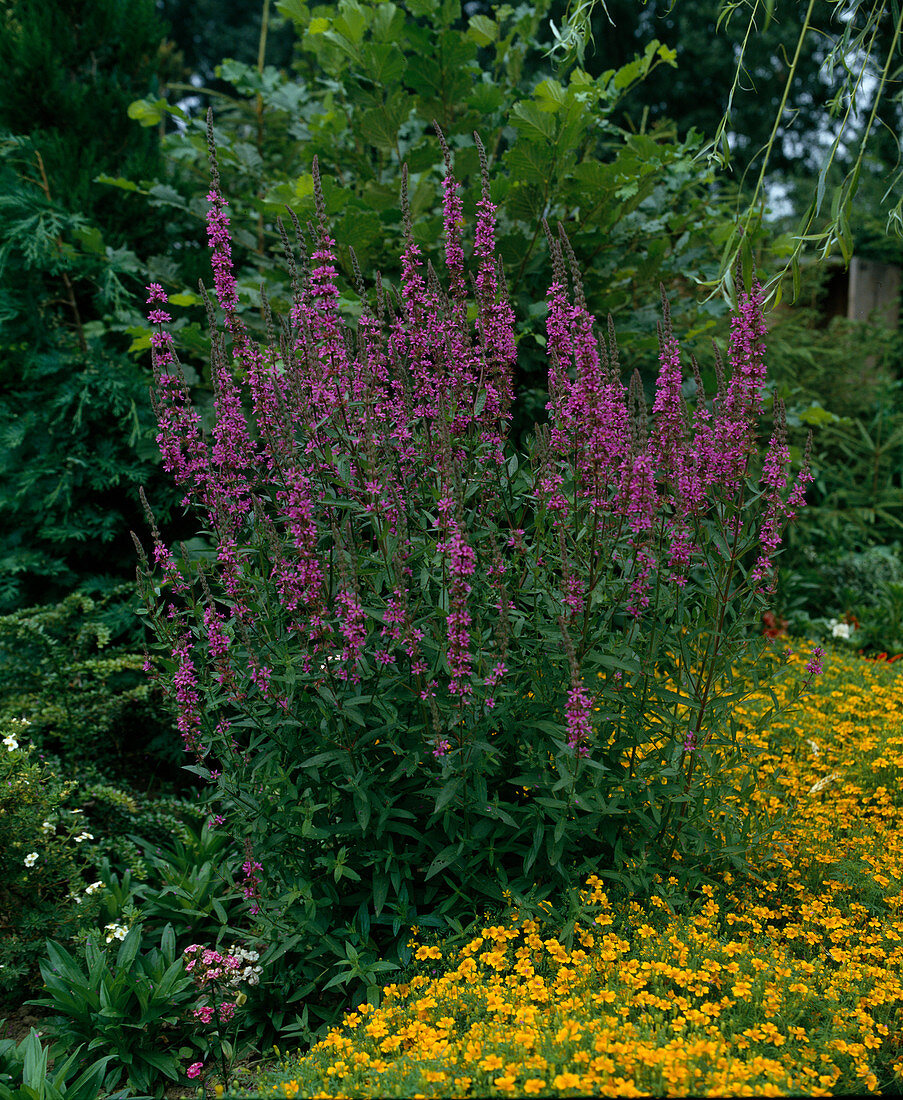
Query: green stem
261	57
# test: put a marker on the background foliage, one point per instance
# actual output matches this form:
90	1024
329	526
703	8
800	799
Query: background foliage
76	434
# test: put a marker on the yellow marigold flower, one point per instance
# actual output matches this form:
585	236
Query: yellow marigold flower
491	1062
291	1088
506	1083
533	1085
427	953
566	1080
570	1030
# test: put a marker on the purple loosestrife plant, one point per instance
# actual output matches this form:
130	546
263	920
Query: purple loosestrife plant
423	671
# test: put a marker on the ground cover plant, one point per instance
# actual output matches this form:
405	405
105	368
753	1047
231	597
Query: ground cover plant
785	983
421	669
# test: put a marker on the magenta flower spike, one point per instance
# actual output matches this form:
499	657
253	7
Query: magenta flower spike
668	435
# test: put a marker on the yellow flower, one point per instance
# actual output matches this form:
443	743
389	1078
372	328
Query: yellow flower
427	953
566	1080
533	1084
506	1083
491	1062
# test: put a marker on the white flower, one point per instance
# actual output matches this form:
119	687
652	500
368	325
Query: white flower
83	836
94	887
10	742
841	630
115	932
47	826
813	745
822	783
31	859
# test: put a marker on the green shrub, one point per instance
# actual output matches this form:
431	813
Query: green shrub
44	868
70	668
857	494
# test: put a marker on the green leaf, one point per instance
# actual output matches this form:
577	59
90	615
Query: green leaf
34	1068
166	987
362	809
550	96
445	858
817	416
296	10
532	122
483	30
185	298
530	162
147	112
339	979
380	892
119	181
67	968
447	793
485	99
384	63
381	124
164	1063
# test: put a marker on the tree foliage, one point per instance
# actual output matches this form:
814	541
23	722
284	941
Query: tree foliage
77	433
828	74
370	78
